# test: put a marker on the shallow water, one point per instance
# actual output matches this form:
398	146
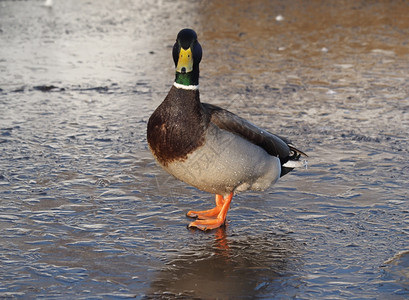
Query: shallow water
86	213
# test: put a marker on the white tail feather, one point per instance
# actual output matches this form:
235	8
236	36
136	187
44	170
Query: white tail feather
296	164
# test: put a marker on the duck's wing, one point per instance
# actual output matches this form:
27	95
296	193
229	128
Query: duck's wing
271	143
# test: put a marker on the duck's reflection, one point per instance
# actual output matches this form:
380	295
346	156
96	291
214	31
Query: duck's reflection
221	244
231	267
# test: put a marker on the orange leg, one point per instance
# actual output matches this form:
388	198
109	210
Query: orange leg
212	223
208	214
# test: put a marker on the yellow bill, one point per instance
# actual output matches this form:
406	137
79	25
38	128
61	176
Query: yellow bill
185	62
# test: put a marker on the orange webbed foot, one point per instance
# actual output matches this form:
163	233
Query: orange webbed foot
213	218
208	214
208	224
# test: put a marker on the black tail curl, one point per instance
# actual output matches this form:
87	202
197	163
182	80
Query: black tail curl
295	155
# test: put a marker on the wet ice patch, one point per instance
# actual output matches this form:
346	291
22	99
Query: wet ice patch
382	51
397	272
279	18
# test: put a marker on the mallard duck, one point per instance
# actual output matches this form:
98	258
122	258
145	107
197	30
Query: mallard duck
209	147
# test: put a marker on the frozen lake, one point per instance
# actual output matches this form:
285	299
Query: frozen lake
86	213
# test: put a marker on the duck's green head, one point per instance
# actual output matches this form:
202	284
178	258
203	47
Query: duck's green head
187	54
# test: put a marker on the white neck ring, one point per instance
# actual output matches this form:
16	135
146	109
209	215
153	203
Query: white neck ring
185	87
